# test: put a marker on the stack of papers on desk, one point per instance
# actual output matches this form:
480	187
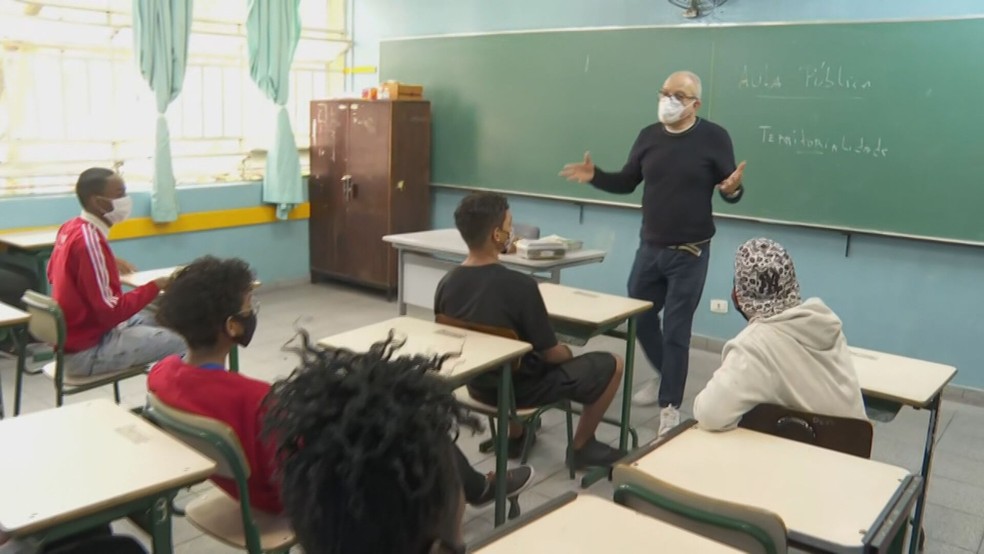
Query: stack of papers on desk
546	248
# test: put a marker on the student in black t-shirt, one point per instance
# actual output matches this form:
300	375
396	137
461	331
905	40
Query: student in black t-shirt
484	292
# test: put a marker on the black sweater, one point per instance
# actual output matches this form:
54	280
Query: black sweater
680	172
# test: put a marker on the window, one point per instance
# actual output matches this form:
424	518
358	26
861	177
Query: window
71	95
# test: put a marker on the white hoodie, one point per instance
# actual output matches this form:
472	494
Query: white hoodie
798	359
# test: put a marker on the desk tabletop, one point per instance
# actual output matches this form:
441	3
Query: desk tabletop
31	240
905	380
10	315
449	241
590	524
479	352
65	463
588	307
818	493
140	278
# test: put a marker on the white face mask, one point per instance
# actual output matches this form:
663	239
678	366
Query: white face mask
121	210
670	110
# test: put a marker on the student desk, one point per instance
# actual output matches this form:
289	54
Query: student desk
140	278
589	525
70	469
36	244
16	321
890	382
831	502
584	314
477	353
425	257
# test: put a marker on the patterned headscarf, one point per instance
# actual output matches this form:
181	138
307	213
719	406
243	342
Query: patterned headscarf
765	279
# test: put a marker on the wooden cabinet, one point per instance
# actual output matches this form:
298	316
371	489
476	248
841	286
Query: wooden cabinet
370	177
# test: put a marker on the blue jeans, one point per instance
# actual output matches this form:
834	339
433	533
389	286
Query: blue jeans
673	280
138	341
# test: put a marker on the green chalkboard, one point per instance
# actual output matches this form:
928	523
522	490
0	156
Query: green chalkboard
865	126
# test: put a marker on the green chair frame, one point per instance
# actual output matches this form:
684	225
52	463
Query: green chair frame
48	324
228	455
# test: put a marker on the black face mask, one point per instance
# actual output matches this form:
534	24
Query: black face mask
248	321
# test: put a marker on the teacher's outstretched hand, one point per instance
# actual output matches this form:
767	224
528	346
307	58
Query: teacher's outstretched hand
581	172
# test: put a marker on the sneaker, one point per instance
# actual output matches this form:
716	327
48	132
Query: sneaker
669	417
648	395
596	454
517	479
516	445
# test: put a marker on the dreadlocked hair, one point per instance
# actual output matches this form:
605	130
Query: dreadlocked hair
364	448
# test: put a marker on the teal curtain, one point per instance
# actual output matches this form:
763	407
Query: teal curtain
273	28
160	35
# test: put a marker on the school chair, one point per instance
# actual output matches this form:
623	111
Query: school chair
843	434
234	523
48	325
746	528
528	417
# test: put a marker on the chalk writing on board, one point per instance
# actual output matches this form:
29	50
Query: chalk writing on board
826	76
802	142
759	79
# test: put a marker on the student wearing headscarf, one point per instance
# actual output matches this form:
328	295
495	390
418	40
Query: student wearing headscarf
792	353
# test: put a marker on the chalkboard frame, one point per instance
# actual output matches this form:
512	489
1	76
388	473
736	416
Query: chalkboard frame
848	231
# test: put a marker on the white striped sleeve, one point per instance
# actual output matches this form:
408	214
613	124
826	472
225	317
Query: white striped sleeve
97	259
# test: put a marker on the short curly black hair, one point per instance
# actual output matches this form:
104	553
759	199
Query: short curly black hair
202	297
364	449
478	214
92	182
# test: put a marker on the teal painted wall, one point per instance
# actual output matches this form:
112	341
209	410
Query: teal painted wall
911	298
277	251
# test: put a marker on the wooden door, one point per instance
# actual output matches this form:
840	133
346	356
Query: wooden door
410	187
329	129
363	253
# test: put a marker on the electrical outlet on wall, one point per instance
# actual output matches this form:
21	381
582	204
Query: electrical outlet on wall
719	306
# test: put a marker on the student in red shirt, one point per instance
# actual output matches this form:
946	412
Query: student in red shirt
210	304
105	331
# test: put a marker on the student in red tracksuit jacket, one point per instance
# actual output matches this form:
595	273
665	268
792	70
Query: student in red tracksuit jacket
105	331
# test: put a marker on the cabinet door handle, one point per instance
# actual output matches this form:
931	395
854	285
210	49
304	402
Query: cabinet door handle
349	188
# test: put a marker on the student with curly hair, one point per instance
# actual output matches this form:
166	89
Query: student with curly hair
210	303
366	445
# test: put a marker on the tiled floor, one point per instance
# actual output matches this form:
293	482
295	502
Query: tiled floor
954	520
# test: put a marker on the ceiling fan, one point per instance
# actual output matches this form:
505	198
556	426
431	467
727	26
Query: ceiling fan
697	8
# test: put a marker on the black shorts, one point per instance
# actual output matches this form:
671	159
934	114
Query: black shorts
581	379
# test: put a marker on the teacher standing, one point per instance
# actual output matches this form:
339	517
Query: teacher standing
682	160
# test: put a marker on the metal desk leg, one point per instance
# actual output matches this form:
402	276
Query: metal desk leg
401	277
20	340
234	359
160	525
927	465
502	443
627	375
